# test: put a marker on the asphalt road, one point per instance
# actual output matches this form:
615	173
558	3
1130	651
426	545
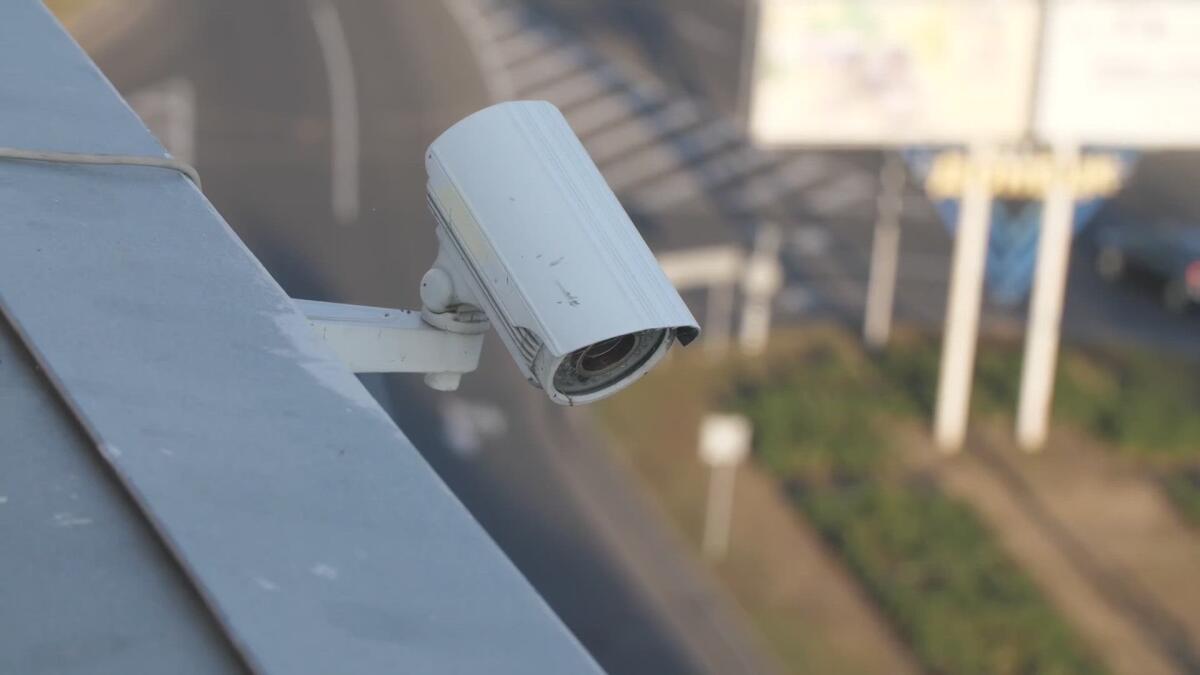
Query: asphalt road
652	89
694	51
267	138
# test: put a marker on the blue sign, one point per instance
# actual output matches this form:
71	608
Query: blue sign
1015	220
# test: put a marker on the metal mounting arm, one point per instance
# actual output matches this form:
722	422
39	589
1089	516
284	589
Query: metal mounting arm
380	340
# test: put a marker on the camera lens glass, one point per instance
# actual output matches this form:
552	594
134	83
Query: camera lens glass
601	355
599	365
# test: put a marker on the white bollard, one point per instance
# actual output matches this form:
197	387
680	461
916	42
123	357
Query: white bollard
724	443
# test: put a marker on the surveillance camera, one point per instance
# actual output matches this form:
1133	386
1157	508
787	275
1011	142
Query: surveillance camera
532	240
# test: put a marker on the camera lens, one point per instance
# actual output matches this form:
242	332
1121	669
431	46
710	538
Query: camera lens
603	355
599	365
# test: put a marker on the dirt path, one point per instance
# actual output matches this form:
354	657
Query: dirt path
1100	540
781	561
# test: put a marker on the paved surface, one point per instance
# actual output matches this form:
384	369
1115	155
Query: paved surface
266	137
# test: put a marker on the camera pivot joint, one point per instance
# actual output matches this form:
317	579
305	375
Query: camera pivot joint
441	341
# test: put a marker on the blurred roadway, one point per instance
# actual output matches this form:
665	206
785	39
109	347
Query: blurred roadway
536	478
689	53
651	87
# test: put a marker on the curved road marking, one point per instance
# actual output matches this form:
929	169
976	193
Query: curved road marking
343	109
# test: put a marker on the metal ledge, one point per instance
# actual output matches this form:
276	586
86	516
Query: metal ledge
319	539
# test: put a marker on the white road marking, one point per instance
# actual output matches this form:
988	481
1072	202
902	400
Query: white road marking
577	88
499	23
680	154
601	113
708	175
645	130
656	158
343	108
768	187
526	44
548	67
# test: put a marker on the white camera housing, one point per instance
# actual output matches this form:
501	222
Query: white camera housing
531	236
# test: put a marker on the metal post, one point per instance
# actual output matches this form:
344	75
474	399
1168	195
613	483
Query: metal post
724	443
963	304
762	280
746	68
1046	306
719	511
885	254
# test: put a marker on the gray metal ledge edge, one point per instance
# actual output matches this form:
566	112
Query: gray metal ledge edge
317	536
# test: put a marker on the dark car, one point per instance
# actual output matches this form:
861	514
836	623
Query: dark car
1167	255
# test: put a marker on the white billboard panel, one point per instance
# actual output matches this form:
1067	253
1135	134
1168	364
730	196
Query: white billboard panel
893	72
1121	73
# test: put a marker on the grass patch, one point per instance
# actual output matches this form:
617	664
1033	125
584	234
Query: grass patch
825	413
823	418
655	425
1142	404
962	605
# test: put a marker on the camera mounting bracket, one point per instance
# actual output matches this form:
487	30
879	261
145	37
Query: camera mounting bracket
441	345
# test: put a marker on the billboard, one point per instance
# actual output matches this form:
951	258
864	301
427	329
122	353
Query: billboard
1121	73
893	72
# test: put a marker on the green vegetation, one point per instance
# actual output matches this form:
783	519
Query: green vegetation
812	622
824	428
1145	405
836	427
961	603
1183	487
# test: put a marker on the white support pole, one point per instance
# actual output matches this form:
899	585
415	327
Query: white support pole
718	318
718	515
762	281
885	254
963	304
1046	306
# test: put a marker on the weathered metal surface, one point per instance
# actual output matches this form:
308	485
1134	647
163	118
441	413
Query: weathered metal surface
318	537
381	340
85	585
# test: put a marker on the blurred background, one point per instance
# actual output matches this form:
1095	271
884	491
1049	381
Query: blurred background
878	459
